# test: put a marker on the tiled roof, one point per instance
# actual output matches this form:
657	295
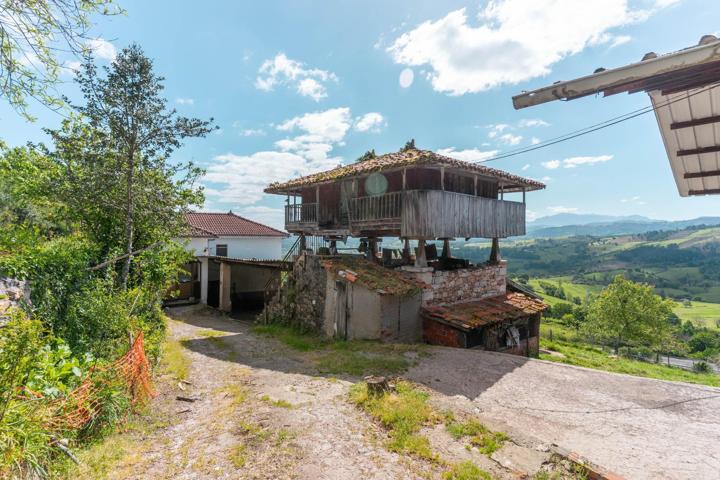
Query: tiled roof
487	311
410	157
227	224
382	280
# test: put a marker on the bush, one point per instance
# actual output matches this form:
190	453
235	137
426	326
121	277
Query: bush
701	367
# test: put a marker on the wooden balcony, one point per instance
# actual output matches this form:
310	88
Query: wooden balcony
412	214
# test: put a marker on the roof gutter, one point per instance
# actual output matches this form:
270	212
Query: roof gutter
707	51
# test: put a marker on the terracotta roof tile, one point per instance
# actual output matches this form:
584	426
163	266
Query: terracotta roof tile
382	280
401	159
487	311
227	224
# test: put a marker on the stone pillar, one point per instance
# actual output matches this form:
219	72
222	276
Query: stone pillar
495	252
333	247
372	250
406	249
420	260
203	280
225	286
303	243
446	248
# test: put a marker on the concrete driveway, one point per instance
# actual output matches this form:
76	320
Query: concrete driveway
635	427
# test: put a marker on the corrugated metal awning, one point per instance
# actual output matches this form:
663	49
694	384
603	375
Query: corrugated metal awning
688	122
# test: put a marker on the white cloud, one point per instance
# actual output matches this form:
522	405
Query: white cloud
406	78
575	161
184	101
534	140
532	122
275	217
497	129
281	70
242	178
510	139
101	48
531	215
325	126
525	167
636	200
73	65
251	132
469	155
561	209
514	40
370	122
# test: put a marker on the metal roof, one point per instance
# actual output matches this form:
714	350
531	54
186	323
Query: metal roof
684	88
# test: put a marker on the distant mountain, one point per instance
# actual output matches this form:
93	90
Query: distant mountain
625	226
564	219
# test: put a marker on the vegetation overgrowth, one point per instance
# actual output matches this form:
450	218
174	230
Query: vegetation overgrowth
89	221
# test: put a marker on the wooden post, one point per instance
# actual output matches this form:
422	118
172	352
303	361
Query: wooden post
404	175
502	192
475	185
372	249
442	178
333	247
523	195
420	259
406	249
303	242
446	248
495	252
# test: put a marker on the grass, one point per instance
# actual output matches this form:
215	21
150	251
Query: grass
589	356
174	361
486	441
707	314
333	357
277	403
238	455
466	471
402	412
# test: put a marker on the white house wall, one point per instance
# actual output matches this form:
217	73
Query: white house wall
264	248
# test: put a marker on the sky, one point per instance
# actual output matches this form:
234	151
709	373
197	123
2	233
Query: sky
300	86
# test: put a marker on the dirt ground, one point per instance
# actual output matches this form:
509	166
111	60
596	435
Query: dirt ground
260	410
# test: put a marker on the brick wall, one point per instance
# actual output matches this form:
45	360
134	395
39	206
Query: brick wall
436	333
452	286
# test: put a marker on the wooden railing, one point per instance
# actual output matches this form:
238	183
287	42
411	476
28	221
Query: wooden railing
301	213
380	207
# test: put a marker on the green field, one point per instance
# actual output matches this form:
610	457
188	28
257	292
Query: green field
571	289
707	314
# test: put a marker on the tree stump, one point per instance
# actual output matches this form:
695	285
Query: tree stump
377	386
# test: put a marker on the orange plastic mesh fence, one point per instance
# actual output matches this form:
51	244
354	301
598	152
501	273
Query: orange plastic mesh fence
84	403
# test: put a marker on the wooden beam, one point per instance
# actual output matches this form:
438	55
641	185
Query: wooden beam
711	191
442	178
709	173
695	122
698	151
404	175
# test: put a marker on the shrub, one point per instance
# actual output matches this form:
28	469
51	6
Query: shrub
702	367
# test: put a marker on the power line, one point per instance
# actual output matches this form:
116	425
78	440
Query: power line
593	128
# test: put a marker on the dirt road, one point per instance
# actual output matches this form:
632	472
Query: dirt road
254	408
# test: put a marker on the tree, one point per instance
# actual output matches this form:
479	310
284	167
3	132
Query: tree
629	312
116	155
32	34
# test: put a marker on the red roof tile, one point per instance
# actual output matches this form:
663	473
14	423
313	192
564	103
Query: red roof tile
487	311
227	224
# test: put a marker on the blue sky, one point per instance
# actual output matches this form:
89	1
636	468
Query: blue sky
301	86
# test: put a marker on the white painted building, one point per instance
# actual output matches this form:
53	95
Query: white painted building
214	237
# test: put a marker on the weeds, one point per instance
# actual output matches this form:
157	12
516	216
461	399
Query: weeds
277	403
487	442
403	413
174	361
466	471
238	455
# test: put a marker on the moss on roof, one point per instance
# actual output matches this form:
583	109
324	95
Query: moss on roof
405	157
382	280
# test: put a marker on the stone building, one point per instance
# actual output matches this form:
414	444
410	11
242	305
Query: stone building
407	294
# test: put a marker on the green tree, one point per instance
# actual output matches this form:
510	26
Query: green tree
32	34
626	312
116	152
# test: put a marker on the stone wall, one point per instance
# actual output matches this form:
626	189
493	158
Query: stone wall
465	284
301	300
12	293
